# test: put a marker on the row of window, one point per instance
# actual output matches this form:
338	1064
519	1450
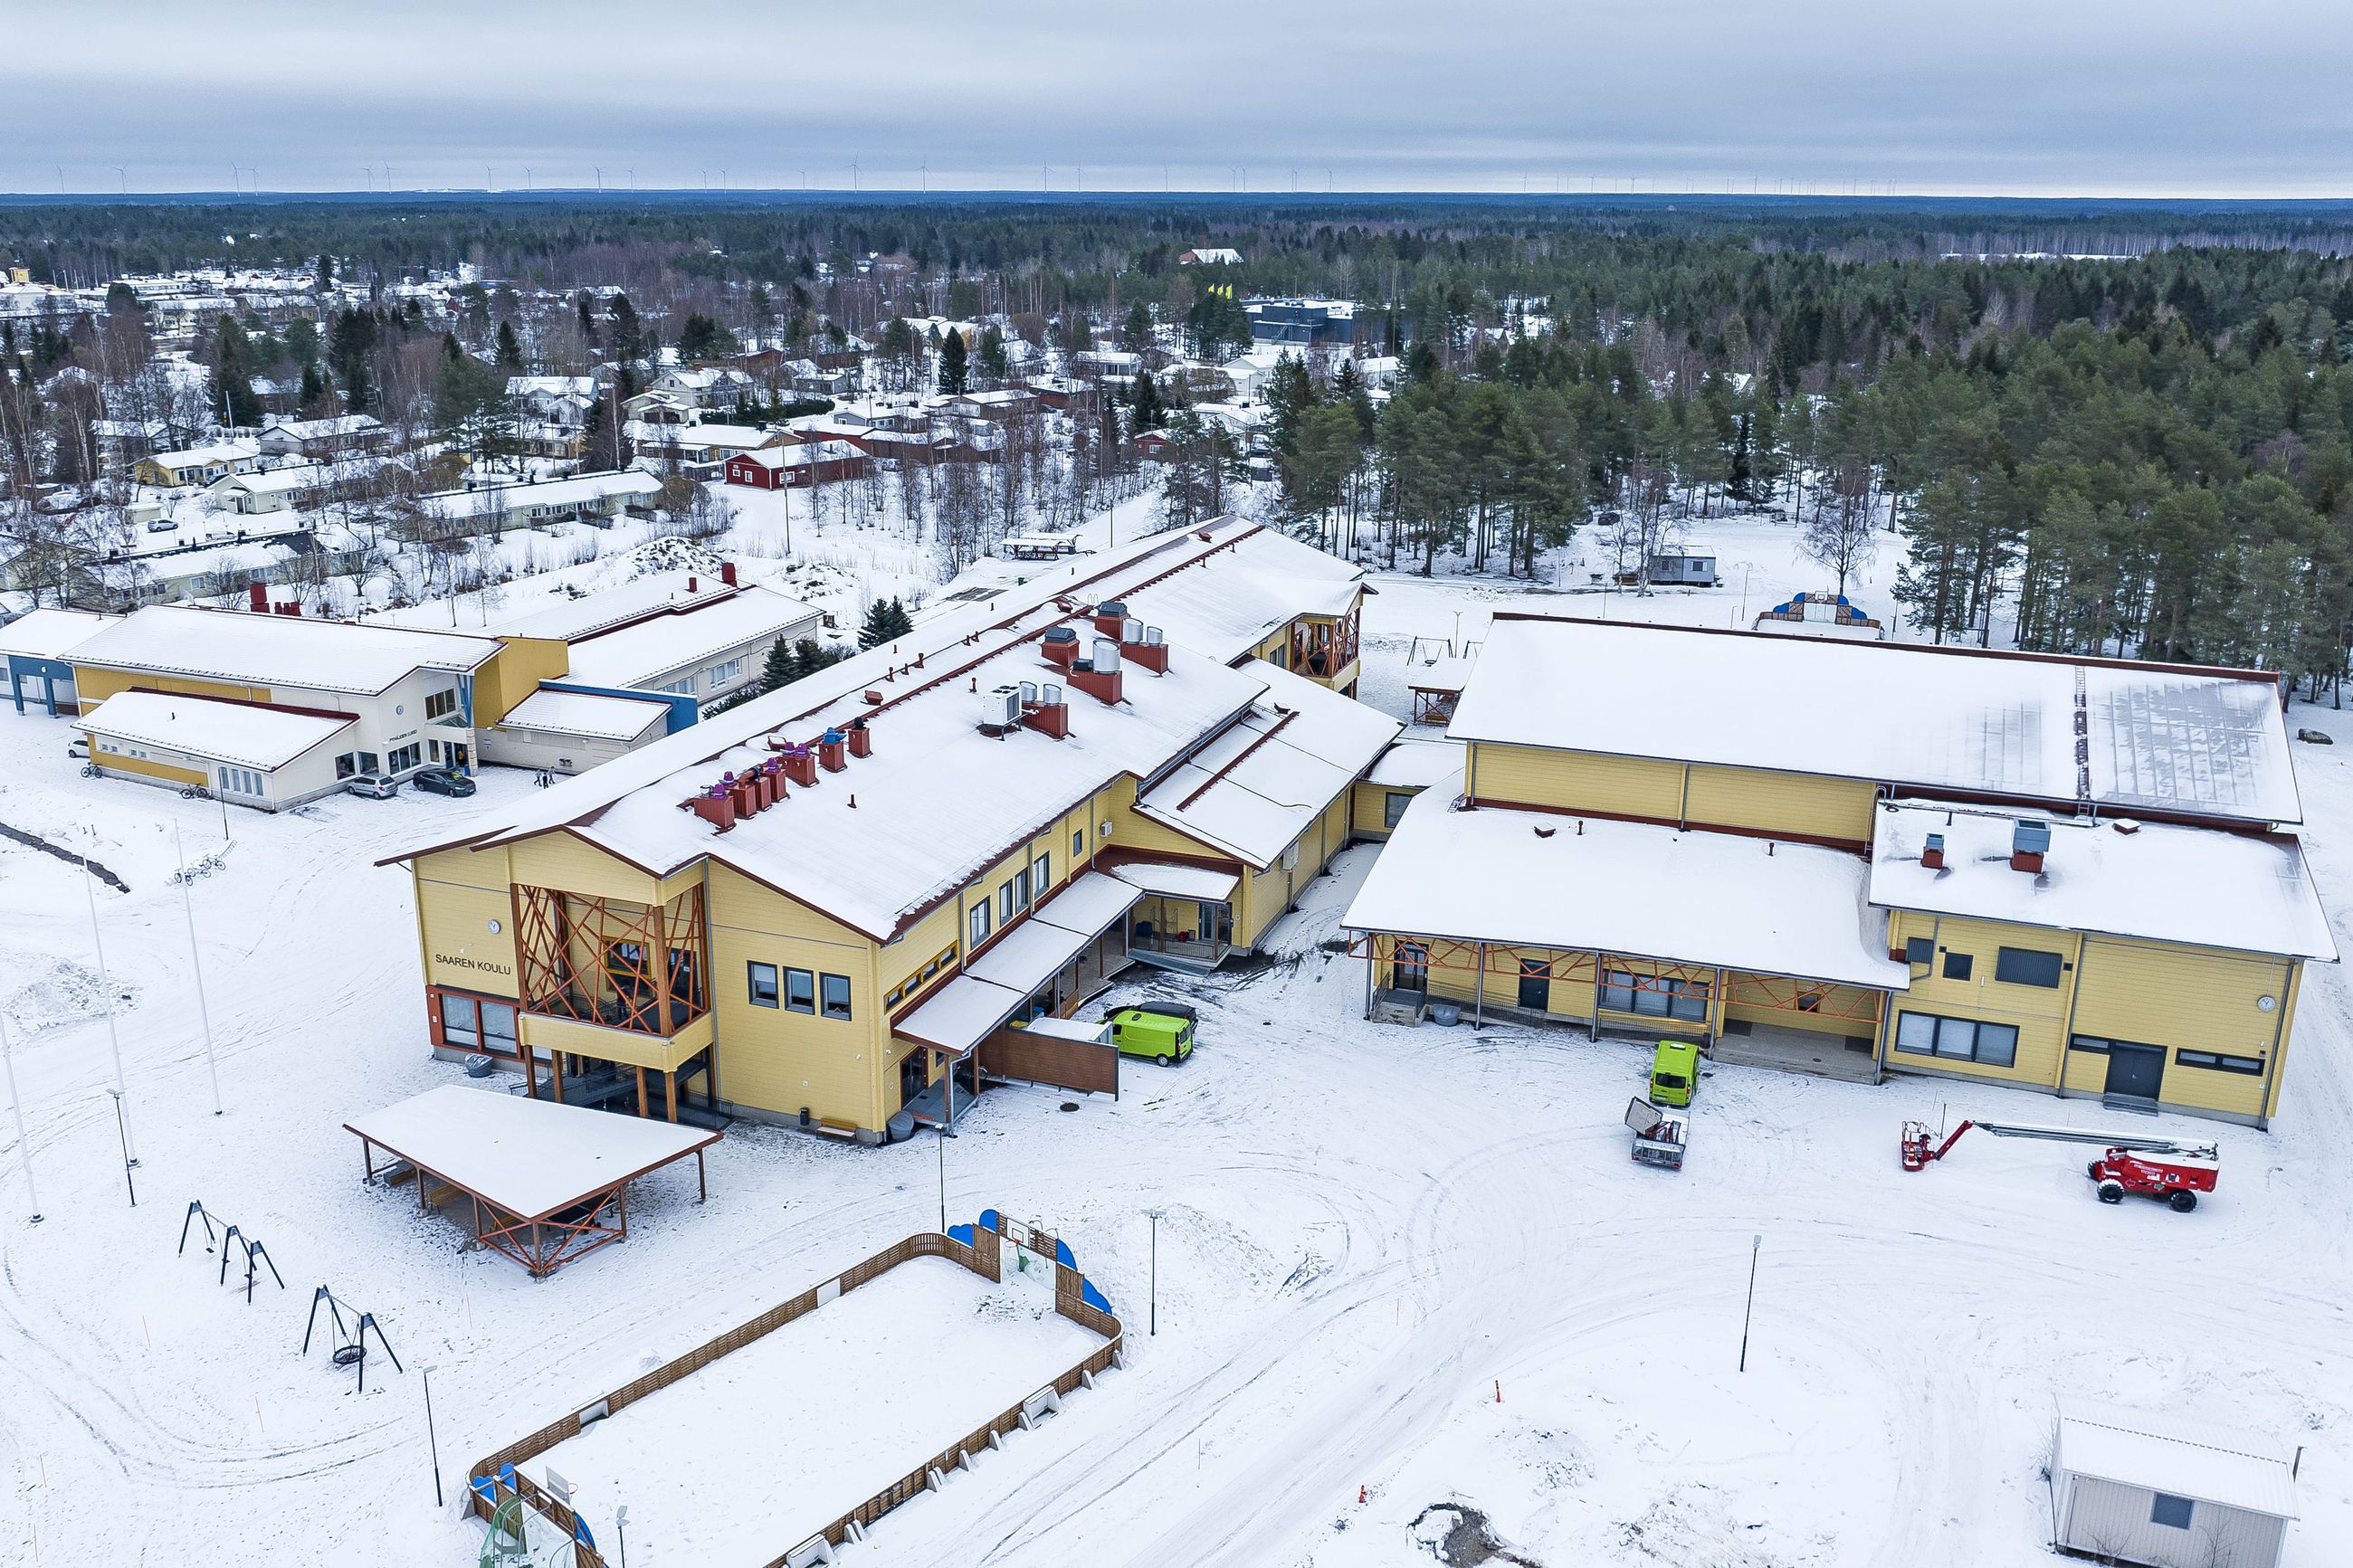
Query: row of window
478	1023
1014	894
1654	996
914	982
2011	965
2211	1061
800	990
403	758
441	704
243	781
1957	1039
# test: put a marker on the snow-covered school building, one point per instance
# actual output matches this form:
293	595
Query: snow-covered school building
817	906
2072	874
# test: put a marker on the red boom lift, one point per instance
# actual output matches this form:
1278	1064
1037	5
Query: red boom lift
2164	1168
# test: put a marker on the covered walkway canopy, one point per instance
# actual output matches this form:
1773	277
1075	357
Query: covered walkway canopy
548	1181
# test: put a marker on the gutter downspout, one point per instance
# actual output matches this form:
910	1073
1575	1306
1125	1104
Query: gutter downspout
2279	1037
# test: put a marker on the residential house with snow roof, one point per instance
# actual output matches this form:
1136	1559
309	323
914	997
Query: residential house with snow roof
196	465
2078	875
829	905
323	440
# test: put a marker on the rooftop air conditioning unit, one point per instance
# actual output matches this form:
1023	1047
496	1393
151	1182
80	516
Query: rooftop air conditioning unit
1000	707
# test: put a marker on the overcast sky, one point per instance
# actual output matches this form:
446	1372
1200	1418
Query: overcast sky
2029	97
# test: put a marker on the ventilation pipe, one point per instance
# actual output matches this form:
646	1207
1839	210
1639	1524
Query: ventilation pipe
800	764
1100	677
1143	647
1061	647
1109	616
832	751
861	738
1050	713
727	573
715	806
1933	856
256	598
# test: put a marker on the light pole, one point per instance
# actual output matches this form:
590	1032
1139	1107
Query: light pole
106	984
122	1132
432	1442
196	968
16	1106
1755	1242
621	1529
1154	1319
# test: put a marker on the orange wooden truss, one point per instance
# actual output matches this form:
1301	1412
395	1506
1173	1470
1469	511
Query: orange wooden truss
1821	998
642	967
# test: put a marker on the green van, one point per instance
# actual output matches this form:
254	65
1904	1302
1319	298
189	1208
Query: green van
1162	1033
1674	1073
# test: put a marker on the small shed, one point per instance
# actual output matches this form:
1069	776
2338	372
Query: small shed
2167	1491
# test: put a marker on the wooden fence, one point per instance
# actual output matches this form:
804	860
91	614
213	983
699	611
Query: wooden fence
983	1257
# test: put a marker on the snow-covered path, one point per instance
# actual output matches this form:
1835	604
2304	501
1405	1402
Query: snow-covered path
1369	1234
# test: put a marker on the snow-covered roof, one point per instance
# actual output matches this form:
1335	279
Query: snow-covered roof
569	491
1440	672
960	1014
938	800
1174	879
252	734
801	454
735	437
634	654
1416	763
1033	951
2155	737
278	481
586	714
528	1156
52	634
1233	599
565	618
1536	879
2178	1456
1262	783
316	430
2205	886
277	650
204	457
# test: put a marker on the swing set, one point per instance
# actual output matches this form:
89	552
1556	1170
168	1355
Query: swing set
256	1255
349	1333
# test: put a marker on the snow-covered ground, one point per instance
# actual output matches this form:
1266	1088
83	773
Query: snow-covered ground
1369	1235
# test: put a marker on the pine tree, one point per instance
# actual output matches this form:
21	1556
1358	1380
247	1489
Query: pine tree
326	272
954	364
1150	413
1136	335
991	362
885	619
780	669
509	348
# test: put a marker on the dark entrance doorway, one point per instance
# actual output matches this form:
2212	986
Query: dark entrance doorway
2134	1072
912	1076
1411	969
1535	984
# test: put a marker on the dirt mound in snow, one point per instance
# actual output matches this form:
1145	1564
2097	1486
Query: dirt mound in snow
1691	1527
671	556
1459	1536
62	992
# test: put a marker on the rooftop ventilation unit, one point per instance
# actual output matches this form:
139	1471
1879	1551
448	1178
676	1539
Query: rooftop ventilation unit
1100	677
833	750
1143	648
1060	646
1000	709
1109	616
1933	855
2029	840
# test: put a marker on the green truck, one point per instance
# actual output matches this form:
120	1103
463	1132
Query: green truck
1163	1031
1674	1073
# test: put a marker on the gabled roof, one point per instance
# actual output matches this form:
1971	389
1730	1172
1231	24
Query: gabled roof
294	651
939	800
52	633
635	653
251	734
2178	1456
2154	737
1257	786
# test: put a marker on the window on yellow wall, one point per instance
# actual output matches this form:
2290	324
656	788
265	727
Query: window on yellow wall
1078	844
980	923
1041	874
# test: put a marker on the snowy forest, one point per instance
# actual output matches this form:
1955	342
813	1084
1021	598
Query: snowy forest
2099	427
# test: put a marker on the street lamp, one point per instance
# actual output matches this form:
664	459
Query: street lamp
1755	1242
621	1529
432	1442
1154	1320
122	1132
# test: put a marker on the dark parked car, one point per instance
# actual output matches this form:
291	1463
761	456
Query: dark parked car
443	781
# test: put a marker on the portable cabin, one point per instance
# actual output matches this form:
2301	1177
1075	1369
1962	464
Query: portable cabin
1684	571
2167	1491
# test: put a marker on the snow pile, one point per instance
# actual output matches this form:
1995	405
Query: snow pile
671	553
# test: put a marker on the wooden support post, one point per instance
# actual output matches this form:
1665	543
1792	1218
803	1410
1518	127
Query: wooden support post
641	1092
556	1069
670	1093
1597	971
702	1180
1479	992
367	1162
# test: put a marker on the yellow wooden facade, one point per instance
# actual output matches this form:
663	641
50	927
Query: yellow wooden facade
2221	1020
774	1061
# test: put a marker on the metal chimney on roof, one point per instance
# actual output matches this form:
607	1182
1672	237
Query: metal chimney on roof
1101	677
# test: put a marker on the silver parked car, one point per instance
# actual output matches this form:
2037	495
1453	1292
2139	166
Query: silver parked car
374	786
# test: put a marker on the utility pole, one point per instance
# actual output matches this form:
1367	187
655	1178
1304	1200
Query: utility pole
1755	1242
432	1441
1153	1329
197	967
105	984
17	1107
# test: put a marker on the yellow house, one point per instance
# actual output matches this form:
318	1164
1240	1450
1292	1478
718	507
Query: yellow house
2076	875
815	906
196	465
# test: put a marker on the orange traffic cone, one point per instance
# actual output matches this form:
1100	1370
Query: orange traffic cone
1499	1390
1360	1496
